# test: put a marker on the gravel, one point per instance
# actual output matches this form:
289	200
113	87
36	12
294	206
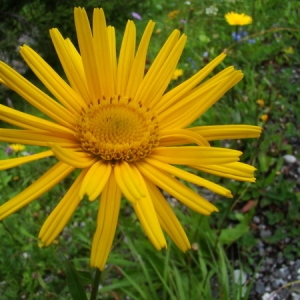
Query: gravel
275	276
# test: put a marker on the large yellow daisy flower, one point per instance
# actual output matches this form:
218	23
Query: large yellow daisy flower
123	130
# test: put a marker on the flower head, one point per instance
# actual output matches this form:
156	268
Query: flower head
173	14
16	147
289	50
264	118
122	129
211	10
233	18
136	16
260	102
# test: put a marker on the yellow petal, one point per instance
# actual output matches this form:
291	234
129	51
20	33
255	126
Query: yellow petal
160	73
138	65
36	97
47	181
176	189
72	158
164	76
147	215
106	223
128	182
126	58
54	83
112	47
195	155
103	57
168	219
95	180
173	96
197	102
189	177
62	213
27	121
237	170
222	132
145	90
14	162
39	138
85	41
72	64
175	137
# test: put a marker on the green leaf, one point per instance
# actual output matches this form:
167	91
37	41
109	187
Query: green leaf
74	282
264	162
85	277
230	235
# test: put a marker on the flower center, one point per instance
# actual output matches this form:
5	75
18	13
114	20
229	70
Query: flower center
117	129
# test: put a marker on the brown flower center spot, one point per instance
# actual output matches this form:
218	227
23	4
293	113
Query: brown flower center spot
117	129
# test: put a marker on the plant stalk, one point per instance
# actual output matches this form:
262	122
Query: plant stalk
96	283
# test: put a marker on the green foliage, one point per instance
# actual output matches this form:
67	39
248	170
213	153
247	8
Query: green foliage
74	282
202	273
269	57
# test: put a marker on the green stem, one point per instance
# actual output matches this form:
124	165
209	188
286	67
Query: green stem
9	232
96	283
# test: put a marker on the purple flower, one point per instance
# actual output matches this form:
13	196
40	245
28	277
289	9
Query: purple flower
183	21
8	150
136	15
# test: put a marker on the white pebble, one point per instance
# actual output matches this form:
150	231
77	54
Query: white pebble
268	296
295	296
291	159
240	276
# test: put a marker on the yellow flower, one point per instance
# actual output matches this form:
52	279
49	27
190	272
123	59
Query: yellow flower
16	147
124	132
173	14
260	102
289	50
233	18
264	118
177	73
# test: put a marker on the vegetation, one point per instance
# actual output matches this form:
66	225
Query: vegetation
267	51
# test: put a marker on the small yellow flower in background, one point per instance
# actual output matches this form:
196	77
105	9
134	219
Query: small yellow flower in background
289	50
173	14
264	118
260	102
158	31
123	130
177	73
233	18
16	147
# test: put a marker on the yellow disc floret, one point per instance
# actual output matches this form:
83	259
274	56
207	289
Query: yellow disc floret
117	129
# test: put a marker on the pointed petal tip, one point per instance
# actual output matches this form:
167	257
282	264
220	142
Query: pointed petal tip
229	195
41	244
216	210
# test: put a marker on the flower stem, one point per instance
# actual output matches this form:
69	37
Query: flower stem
96	283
